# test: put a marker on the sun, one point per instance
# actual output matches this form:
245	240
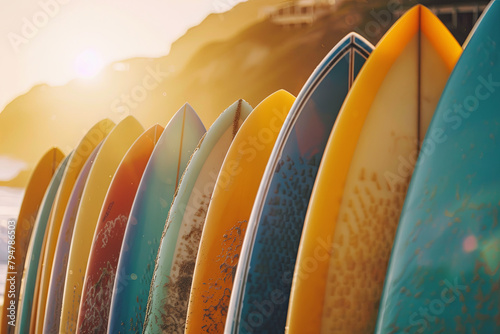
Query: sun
88	63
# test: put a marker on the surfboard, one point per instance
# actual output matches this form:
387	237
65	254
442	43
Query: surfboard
32	319
37	185
364	176
108	237
52	315
228	212
443	274
270	248
80	155
171	284
101	173
31	265
147	220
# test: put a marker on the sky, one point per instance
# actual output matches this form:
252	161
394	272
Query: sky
54	41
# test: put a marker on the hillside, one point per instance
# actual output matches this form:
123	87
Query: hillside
249	58
58	116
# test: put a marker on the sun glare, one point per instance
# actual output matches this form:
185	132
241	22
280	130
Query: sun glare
88	63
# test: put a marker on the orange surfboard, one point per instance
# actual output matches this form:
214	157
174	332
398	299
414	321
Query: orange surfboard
229	210
39	181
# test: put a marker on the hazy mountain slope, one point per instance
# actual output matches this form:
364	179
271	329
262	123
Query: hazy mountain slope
57	116
217	27
251	64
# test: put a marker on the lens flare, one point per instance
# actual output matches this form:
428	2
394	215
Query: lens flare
88	63
470	244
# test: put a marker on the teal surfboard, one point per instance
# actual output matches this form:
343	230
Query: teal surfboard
147	220
169	295
443	275
31	264
56	287
271	242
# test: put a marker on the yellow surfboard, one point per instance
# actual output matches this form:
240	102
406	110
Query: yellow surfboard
35	191
107	160
80	155
228	213
363	178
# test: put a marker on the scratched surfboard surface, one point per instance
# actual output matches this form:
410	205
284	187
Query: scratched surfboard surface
147	220
103	259
169	295
60	263
275	226
111	153
443	276
225	224
360	187
31	265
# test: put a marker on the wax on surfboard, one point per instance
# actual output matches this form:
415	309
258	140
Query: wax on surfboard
443	274
228	212
147	220
275	226
362	182
103	259
169	295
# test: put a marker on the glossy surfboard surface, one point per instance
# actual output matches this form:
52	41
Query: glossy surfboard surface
271	244
106	162
147	220
228	213
361	184
443	274
80	155
108	237
55	291
169	295
31	265
39	181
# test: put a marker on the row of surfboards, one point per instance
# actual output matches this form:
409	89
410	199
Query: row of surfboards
283	217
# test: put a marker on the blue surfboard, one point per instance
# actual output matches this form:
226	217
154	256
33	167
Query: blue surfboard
272	239
147	220
443	275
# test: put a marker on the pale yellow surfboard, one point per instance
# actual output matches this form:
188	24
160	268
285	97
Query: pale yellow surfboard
229	211
107	160
81	153
363	178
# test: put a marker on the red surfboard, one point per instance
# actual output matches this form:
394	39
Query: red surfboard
101	269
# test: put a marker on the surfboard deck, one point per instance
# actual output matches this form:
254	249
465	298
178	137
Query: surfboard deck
147	220
55	291
27	291
107	160
37	185
108	237
169	295
381	123
271	244
81	153
228	212
443	273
